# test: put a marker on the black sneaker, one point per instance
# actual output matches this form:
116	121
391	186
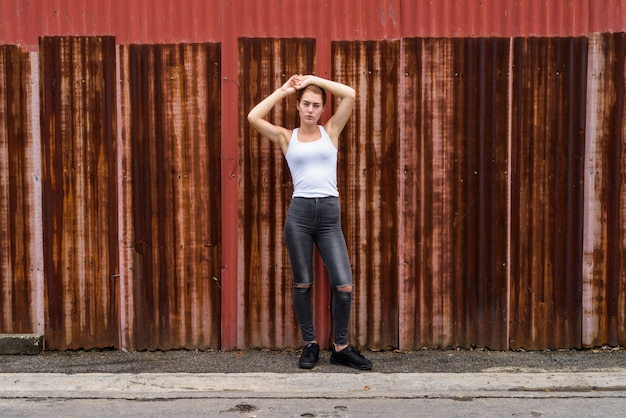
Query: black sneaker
350	357
310	356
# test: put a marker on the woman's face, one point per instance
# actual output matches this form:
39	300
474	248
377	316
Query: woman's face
310	107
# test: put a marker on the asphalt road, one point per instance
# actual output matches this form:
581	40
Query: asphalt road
310	408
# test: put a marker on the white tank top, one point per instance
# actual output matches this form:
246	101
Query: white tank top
313	166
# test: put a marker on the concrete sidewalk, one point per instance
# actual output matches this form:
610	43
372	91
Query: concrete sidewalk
150	386
212	375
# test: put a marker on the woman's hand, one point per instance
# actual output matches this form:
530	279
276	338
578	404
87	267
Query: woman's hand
292	84
301	81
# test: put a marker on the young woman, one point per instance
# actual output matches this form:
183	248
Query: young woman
313	216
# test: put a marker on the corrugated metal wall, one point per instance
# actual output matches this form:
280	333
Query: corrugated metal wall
455	175
481	173
79	174
368	185
21	262
171	211
548	142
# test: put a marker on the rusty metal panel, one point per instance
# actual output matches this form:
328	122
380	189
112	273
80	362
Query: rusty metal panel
604	266
265	297
454	186
368	186
79	191
548	139
170	138
21	266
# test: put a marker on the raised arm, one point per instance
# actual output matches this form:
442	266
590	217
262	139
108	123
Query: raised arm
338	120
257	115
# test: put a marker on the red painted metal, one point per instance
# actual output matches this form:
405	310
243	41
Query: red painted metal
232	304
154	21
164	21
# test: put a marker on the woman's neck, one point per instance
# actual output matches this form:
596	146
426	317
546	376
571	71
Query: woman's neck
309	128
309	133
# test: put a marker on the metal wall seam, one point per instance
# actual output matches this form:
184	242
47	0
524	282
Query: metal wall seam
125	277
230	276
594	228
34	161
509	192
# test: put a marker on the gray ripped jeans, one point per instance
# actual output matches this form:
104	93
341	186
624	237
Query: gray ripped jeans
318	221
